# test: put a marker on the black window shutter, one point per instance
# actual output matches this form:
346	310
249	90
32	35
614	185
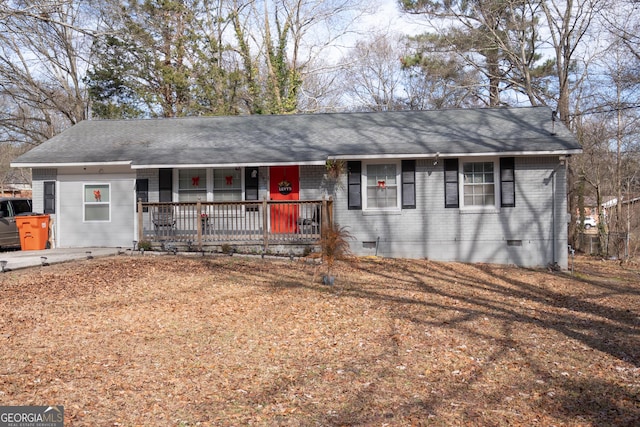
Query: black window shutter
451	199
49	197
408	184
142	192
507	182
251	183
354	171
165	185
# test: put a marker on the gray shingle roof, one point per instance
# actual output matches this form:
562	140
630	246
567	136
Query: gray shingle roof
305	139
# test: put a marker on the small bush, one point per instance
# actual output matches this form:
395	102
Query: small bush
334	244
144	245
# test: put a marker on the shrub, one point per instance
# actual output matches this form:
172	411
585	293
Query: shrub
334	244
144	245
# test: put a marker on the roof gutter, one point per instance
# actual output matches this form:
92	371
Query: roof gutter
228	165
69	164
451	155
294	163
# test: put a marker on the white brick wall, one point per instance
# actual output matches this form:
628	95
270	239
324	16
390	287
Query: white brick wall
521	235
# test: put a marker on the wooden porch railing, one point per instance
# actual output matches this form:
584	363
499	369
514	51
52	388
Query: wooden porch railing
259	223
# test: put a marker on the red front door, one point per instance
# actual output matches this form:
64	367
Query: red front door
284	184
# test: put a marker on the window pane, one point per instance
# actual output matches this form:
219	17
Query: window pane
488	177
382	186
96	202
228	196
192	179
21	206
382	198
227	185
227	179
192	185
4	208
381	172
479	187
96	212
96	193
192	196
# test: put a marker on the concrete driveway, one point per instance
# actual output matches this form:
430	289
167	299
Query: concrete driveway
24	259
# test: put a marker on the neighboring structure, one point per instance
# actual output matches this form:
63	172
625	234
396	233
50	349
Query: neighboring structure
15	183
475	185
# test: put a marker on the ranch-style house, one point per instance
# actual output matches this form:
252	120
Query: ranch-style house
471	185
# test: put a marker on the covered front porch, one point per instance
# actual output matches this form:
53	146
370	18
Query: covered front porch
265	225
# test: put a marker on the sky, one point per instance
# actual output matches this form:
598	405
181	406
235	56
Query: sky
388	14
385	16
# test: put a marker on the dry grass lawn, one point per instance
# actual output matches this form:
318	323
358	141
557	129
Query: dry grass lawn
221	341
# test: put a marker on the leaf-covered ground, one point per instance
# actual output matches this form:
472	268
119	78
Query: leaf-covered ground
208	341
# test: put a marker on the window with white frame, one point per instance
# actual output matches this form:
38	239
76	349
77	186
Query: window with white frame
227	184
481	183
97	202
192	185
478	180
382	181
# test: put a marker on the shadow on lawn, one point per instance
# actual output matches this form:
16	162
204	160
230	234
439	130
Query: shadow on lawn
588	401
482	290
610	330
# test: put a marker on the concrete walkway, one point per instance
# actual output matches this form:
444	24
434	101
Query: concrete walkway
24	259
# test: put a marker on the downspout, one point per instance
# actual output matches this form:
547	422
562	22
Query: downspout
554	232
554	236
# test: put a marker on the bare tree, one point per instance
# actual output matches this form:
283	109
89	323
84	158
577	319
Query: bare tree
373	78
44	48
594	168
281	43
607	122
568	23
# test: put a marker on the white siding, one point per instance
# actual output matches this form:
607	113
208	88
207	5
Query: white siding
38	177
118	231
533	233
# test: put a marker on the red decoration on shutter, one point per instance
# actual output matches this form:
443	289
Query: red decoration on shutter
229	179
195	181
